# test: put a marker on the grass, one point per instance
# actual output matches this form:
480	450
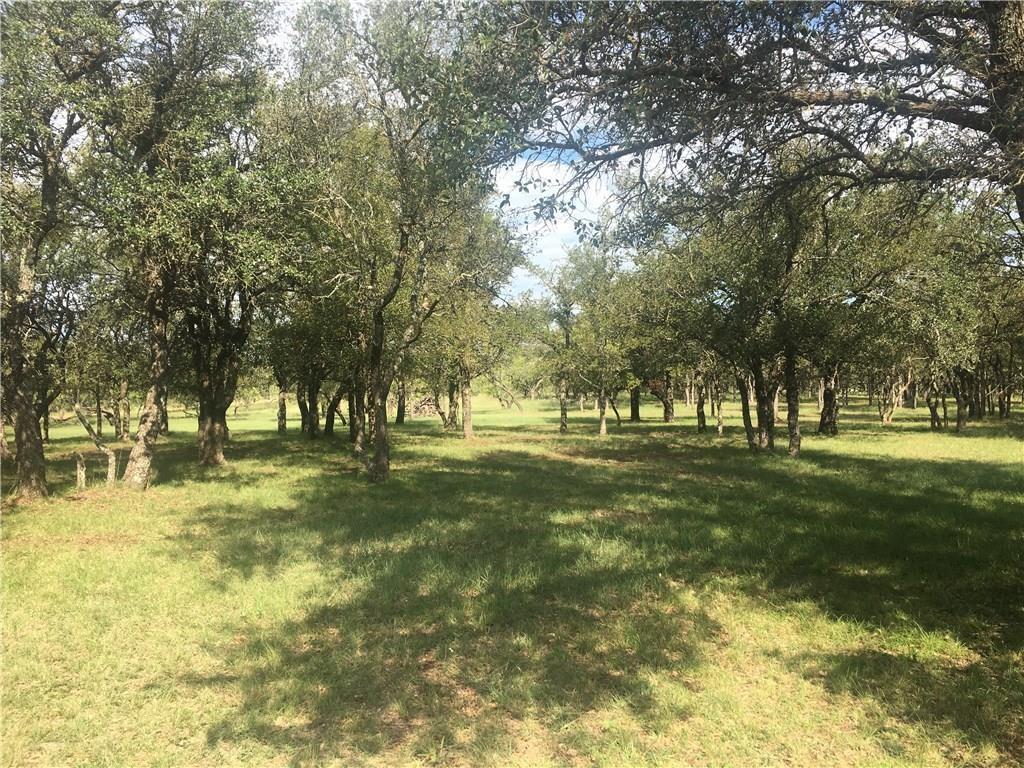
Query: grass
527	599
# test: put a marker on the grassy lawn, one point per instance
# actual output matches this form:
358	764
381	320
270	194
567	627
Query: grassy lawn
527	599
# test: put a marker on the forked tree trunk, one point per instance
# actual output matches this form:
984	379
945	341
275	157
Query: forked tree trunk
748	427
634	404
98	442
332	410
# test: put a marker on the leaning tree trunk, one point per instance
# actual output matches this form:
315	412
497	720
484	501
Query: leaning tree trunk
332	410
98	442
792	402
138	474
748	427
634	404
300	399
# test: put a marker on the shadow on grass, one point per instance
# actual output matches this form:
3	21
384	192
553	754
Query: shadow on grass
511	585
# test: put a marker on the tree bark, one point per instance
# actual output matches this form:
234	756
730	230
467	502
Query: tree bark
400	405
764	398
332	410
634	404
602	427
702	422
467	406
452	420
98	442
828	424
792	401
282	410
300	399
748	427
212	433
563	405
139	472
125	407
668	402
313	409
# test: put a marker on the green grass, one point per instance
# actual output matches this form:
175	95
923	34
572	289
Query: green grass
527	599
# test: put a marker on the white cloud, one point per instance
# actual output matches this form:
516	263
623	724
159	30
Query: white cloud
547	240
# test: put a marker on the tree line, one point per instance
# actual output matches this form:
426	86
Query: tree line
809	197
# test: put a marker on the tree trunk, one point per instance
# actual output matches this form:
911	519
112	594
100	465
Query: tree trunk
932	399
748	427
98	442
563	405
282	410
716	400
764	398
701	393
313	409
452	419
634	404
300	399
400	405
467	406
28	443
99	412
5	451
792	402
139	473
828	424
332	410
668	402
380	462
125	408
602	400
212	433
615	410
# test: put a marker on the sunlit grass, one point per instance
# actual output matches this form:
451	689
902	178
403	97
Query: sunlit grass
653	598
